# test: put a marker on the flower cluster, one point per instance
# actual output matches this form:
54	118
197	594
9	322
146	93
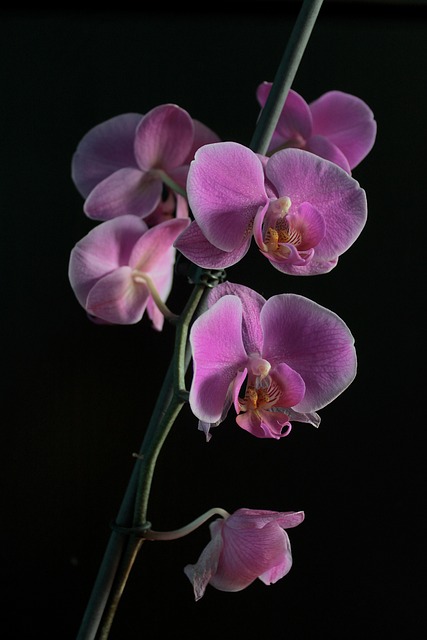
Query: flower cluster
164	182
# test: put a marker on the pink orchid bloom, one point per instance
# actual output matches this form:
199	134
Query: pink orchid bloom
337	126
293	355
133	164
247	545
122	268
302	210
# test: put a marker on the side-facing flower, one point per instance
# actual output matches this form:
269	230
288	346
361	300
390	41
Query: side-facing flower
122	268
275	360
247	545
303	211
337	126
136	164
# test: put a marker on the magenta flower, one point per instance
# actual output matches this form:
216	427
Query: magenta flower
275	360
122	268
132	164
247	545
337	126
302	210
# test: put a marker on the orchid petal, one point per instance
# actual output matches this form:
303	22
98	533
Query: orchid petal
154	249
305	177
264	424
164	138
217	356
127	191
252	304
117	299
347	121
104	149
194	245
225	187
314	341
201	573
291	384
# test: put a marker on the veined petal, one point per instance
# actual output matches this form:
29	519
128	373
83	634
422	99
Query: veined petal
218	355
225	187
252	303
314	341
291	384
117	299
105	248
194	245
347	121
104	149
164	138
264	424
152	251
201	573
127	191
305	177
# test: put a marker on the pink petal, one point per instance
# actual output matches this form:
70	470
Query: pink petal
225	187
305	177
117	299
106	148
164	138
127	191
312	340
218	354
291	384
201	573
347	122
252	304
193	244
264	424
153	250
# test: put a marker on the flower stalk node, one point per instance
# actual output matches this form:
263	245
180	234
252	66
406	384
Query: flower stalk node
138	532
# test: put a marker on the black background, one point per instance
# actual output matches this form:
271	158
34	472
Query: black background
77	396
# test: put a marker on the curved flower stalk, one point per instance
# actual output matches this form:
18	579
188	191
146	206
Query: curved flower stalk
138	164
337	126
302	210
275	360
122	268
247	545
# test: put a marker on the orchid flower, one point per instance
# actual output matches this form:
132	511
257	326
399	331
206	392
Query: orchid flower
275	360
135	164
337	126
122	268
302	210
247	545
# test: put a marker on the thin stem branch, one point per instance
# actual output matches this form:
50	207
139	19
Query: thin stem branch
285	75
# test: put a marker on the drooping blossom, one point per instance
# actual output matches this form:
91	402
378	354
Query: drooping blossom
122	268
302	210
337	126
138	164
277	360
247	545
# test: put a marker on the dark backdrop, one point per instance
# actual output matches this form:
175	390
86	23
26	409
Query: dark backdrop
77	396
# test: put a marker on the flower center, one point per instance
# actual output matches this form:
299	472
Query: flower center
261	395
